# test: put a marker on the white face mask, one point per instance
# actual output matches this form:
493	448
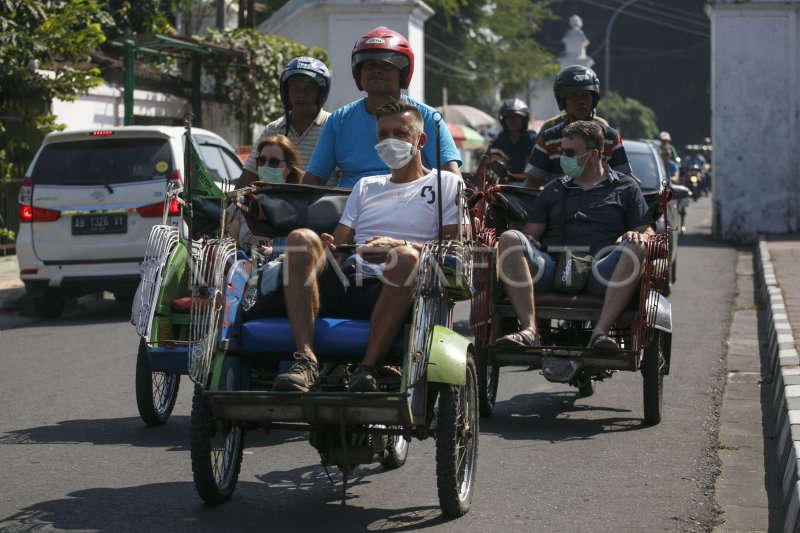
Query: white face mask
395	153
270	175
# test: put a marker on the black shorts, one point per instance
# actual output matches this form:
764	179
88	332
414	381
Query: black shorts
354	300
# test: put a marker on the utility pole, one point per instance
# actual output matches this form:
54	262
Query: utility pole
220	15
607	76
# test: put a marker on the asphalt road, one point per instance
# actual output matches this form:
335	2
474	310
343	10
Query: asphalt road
76	457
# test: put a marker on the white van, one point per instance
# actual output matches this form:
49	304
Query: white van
88	202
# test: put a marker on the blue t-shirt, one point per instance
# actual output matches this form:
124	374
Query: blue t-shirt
349	138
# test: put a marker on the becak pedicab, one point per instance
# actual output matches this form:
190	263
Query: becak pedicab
160	311
428	386
643	332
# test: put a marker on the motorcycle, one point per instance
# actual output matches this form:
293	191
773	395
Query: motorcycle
695	180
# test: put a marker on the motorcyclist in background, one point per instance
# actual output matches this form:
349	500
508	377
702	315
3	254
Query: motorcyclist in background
577	91
516	140
666	142
694	158
694	162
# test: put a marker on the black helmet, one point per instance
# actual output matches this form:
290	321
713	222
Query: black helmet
576	78
514	106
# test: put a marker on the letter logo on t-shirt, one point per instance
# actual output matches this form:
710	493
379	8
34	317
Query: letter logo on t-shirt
426	190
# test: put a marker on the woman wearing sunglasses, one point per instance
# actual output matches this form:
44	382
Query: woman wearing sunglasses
277	160
276	163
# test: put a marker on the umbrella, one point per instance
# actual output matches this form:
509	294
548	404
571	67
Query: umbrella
468	115
465	137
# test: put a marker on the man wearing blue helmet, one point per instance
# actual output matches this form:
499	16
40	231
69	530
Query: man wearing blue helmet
304	86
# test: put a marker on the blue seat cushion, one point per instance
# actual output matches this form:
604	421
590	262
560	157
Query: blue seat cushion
332	337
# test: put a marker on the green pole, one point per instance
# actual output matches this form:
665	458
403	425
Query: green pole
130	77
197	97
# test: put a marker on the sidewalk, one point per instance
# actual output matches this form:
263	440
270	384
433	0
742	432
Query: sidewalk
11	292
778	262
10	284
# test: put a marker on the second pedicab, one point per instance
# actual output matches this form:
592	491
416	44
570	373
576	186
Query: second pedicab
565	321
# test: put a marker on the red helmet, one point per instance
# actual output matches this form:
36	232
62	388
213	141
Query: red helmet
385	44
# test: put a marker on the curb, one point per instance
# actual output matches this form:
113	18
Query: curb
784	368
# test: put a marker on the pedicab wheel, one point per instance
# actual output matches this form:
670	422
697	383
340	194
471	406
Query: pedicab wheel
46	302
457	443
653	367
398	452
587	389
156	392
216	452
488	380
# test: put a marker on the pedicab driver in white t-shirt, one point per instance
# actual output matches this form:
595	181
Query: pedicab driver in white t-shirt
388	218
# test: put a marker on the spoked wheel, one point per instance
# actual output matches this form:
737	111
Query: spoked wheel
398	452
156	392
653	367
488	380
457	443
216	452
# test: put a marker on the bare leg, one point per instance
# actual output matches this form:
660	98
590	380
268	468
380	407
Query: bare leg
390	311
304	261
627	271
517	280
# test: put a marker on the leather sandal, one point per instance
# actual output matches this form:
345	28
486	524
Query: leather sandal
520	338
603	343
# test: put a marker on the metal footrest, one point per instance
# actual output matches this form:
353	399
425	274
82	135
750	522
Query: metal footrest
532	356
312	407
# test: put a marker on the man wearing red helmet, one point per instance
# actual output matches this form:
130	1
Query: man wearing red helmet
382	64
304	86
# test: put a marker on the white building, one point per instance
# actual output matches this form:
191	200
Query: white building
542	102
335	25
755	99
103	107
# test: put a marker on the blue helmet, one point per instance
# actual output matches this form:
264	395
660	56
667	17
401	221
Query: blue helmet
307	66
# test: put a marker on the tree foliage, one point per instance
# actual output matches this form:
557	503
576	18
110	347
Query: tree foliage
56	35
253	86
143	16
630	117
477	47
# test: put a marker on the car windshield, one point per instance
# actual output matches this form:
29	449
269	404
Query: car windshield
103	161
645	167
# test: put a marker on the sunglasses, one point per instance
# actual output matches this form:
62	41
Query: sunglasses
570	152
273	162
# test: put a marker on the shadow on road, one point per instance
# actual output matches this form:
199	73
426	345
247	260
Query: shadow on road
554	417
173	436
175	507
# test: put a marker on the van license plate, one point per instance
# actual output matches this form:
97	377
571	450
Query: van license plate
92	224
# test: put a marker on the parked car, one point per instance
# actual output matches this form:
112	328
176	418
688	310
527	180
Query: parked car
649	168
89	199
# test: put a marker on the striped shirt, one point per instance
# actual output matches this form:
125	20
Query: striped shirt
304	143
562	117
545	163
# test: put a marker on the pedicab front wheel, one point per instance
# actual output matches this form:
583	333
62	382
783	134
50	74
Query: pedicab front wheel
653	368
457	443
156	392
216	452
